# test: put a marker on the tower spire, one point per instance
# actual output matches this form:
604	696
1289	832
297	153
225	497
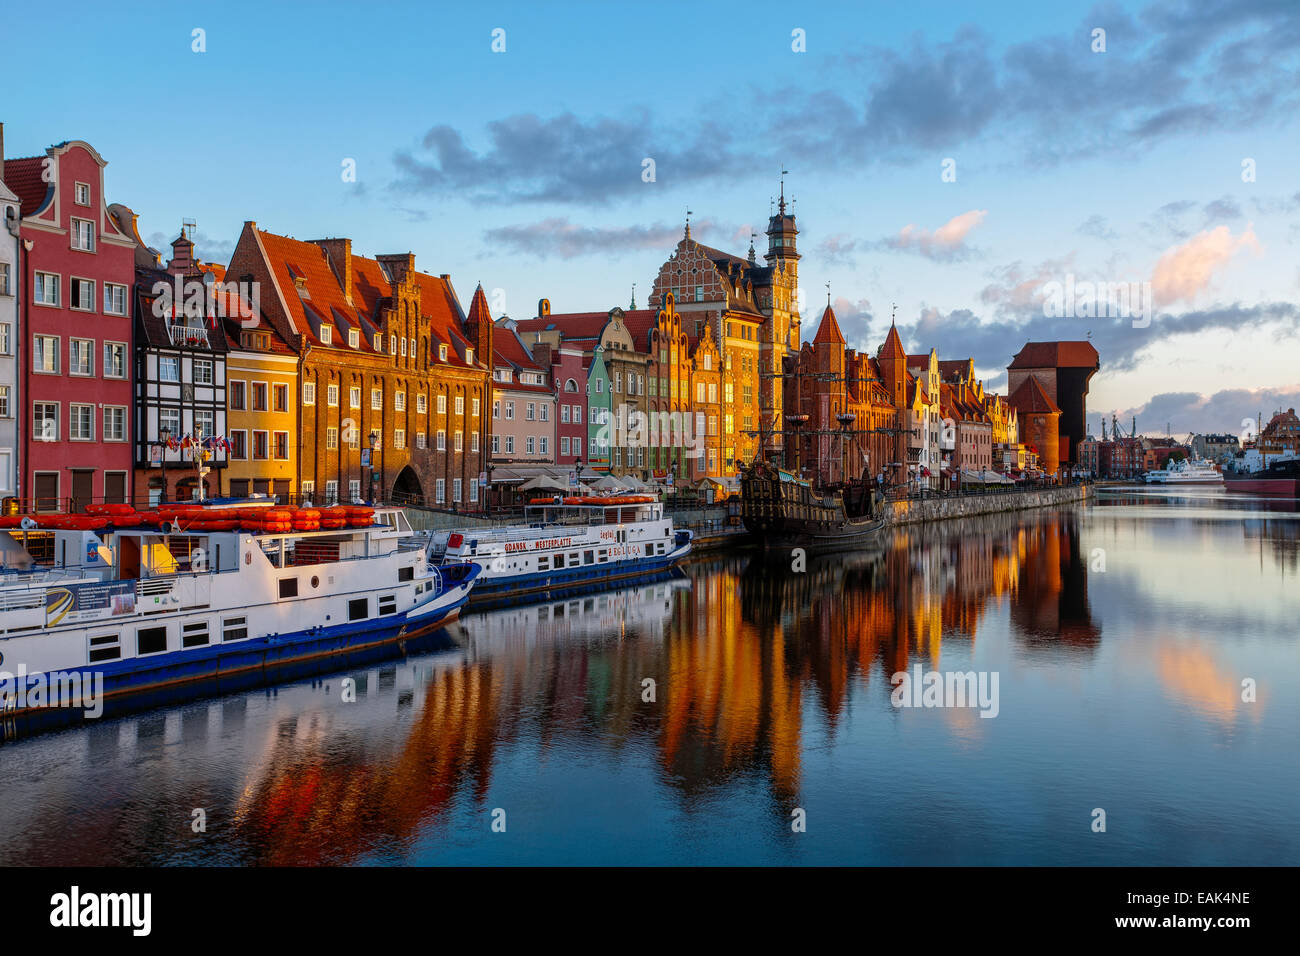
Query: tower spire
784	173
688	224
632	306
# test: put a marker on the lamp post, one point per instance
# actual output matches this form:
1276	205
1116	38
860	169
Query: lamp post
374	440
166	434
487	500
846	421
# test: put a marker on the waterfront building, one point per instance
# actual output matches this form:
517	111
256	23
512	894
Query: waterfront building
1215	447
961	403
658	334
623	374
78	269
1281	436
706	403
599	404
394	375
523	407
11	333
1039	419
568	377
1063	371
180	376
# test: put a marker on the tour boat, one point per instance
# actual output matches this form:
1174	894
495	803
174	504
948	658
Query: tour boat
566	543
139	602
784	512
1183	472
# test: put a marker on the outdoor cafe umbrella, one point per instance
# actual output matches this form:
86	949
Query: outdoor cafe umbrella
544	481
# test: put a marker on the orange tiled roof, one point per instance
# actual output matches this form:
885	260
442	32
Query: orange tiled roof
23	176
1056	355
828	330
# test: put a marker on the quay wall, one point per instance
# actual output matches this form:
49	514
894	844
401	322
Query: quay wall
941	509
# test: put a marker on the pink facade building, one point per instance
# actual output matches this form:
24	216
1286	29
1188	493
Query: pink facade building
78	271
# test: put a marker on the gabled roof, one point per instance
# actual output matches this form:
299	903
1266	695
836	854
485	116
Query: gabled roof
893	347
1056	355
570	325
1031	398
828	330
23	176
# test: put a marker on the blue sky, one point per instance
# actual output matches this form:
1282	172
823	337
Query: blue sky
523	169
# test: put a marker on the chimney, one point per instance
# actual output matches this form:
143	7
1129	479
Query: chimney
398	265
339	254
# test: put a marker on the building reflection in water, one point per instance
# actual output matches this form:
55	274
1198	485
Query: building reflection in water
748	659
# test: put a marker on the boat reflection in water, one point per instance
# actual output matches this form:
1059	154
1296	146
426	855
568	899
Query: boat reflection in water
683	721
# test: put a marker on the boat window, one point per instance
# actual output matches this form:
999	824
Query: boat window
105	647
575	559
406	574
588	557
234	628
194	635
358	609
150	640
543	564
288	587
559	560
602	554
388	604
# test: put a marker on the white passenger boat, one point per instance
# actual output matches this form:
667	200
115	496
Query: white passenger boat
133	604
1184	472
566	543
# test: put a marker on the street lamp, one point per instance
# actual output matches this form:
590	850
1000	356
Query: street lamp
374	440
487	501
166	434
846	421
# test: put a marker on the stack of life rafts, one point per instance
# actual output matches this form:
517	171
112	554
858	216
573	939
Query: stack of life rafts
196	517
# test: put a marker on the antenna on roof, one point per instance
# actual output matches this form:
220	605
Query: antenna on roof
188	227
688	224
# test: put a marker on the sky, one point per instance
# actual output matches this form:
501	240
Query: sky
951	164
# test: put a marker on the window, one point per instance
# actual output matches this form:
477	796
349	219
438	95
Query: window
169	419
510	444
354	489
564	414
83	235
358	609
399	438
458	442
6	339
442	440
331	438
195	635
281	444
420	440
402	343
510	411
455	490
81	356
280	397
239	445
114	299
473	441
46	291
376	399
545	446
469	356
392	345
326	335
150	640
261	447
4	401
399	401
169	368
82	294
577	447
496	444
259	396
354	338
379	341
309	393
288	588
106	647
546	413
496	409
114	423
46	356
238	396
460	405
202	371
331	492
440	491
473	408
442	353
421	403
442	404
531	445
531	412
473	489
6	287
45	421
387	604
332	396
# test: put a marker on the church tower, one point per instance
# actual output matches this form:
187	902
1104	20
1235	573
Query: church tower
781	330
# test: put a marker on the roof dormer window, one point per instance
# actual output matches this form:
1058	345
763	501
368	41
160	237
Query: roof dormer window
354	338
442	353
379	341
326	335
469	356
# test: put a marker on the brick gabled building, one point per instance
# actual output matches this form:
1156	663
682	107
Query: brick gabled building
388	362
1039	419
659	336
76	325
1063	371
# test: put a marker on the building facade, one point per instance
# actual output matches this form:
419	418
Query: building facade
77	330
10	332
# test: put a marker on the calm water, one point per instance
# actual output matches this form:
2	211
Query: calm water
1120	632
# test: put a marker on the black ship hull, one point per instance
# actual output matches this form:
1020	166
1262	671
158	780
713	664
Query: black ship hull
782	513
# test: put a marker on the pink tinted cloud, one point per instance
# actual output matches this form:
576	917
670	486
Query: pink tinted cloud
1186	270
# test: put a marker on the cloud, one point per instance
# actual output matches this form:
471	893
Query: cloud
561	159
1098	227
557	237
206	248
1185	271
1223	411
855	319
1171	73
945	244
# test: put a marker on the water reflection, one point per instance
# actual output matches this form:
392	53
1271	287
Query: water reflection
613	724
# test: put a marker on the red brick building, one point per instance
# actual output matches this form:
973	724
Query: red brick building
76	331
